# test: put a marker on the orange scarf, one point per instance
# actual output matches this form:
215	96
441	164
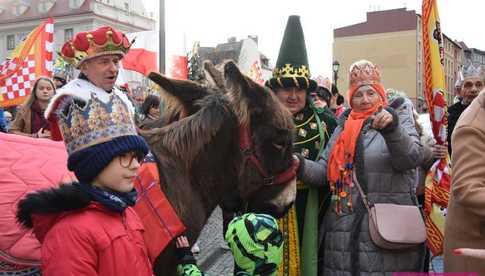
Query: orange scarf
343	151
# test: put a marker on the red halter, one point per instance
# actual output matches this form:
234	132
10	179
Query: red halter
246	146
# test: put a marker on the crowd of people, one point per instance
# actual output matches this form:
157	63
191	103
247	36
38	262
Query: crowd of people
353	156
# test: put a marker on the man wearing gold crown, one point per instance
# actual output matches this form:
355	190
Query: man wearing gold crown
97	55
471	84
292	84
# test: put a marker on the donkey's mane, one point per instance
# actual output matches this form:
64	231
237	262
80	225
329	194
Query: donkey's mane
185	138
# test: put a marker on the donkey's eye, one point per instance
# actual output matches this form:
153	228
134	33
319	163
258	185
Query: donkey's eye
278	146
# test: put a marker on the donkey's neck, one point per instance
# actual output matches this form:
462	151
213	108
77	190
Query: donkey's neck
195	191
197	157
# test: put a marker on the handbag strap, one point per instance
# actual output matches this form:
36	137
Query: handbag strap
362	194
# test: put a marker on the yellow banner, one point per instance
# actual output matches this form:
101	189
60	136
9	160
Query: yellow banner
439	177
436	48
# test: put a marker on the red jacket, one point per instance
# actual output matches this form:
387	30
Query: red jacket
84	238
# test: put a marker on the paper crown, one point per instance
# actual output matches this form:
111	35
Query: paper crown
87	45
84	124
364	72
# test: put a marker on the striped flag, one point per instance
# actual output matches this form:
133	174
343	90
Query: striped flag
29	60
437	187
255	72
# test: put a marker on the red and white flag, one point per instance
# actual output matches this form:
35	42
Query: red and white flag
29	60
143	54
179	69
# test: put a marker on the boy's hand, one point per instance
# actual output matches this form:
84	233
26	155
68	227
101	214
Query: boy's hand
182	242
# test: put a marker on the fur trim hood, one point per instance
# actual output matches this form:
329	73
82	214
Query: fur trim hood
42	209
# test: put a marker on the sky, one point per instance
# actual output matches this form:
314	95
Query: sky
213	21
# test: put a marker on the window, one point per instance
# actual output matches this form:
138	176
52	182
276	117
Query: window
45	5
68	33
19	8
10	42
22	36
75	4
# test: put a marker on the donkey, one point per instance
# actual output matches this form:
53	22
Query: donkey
233	148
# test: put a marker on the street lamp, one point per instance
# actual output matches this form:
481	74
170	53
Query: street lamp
335	68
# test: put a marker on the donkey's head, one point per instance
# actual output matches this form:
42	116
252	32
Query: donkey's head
235	135
267	179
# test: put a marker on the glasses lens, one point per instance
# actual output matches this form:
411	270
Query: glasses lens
139	157
126	159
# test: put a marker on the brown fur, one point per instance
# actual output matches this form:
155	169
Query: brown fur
200	163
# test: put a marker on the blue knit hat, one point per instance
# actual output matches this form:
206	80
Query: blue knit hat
89	162
95	132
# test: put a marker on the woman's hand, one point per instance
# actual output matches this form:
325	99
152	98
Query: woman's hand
382	119
440	151
469	252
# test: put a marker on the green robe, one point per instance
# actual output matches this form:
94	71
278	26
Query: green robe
313	130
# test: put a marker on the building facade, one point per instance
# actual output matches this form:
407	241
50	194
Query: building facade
392	39
454	57
18	18
244	52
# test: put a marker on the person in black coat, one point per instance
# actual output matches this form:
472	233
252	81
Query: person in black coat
471	86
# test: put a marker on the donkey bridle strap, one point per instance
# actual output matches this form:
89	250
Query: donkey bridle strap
246	146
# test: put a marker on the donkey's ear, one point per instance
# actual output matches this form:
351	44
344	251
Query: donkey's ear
185	91
242	86
182	91
236	83
232	74
213	76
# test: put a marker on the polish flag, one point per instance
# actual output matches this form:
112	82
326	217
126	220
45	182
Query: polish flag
142	56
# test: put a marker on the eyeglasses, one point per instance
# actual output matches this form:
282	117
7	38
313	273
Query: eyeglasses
469	84
316	96
126	159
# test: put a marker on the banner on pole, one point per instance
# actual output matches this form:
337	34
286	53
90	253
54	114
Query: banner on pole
438	180
28	61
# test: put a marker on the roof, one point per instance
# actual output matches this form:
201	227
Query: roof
221	52
456	43
463	45
478	51
381	22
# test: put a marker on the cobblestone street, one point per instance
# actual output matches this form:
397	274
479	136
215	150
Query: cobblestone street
215	257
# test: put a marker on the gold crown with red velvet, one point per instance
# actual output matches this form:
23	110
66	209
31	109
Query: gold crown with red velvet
87	45
364	72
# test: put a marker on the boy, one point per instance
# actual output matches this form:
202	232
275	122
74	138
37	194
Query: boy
88	227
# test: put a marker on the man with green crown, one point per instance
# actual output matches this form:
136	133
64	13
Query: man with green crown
292	85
